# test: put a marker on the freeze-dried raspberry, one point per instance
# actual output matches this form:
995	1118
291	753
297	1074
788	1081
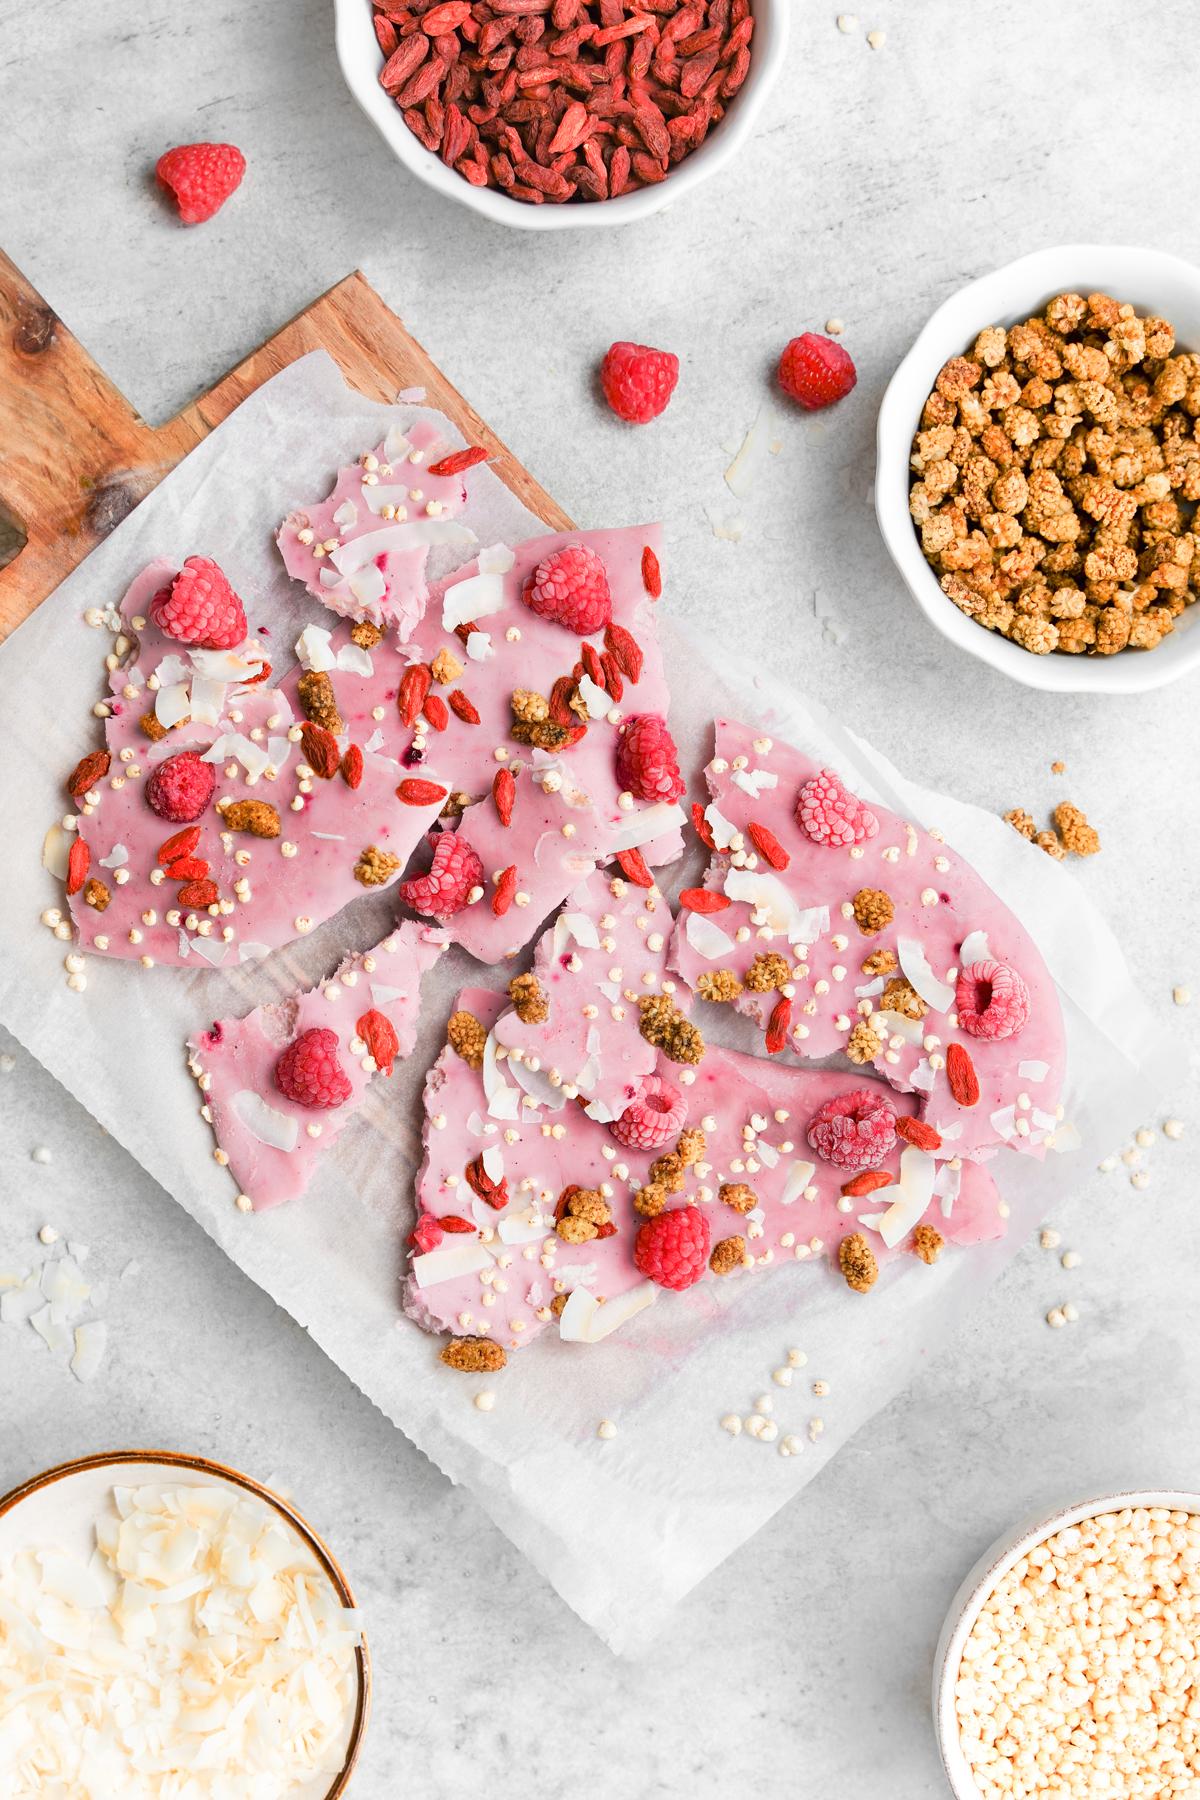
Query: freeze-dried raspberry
654	1116
201	177
830	814
638	381
853	1131
309	1072
426	1235
672	1249
181	788
200	608
454	871
647	760
570	588
992	1000
814	371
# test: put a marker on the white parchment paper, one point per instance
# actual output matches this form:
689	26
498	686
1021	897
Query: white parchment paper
622	1528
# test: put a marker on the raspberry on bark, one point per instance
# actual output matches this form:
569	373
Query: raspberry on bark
647	760
453	875
570	588
854	1131
181	788
656	1114
309	1072
830	814
672	1249
200	608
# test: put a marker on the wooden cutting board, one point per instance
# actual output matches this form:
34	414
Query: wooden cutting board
75	457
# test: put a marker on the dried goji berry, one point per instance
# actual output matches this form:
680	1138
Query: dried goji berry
181	843
198	893
415	684
352	766
625	649
651	573
458	460
319	749
415	792
633	867
704	900
379	1035
867	1182
778	1026
701	826
79	859
960	1073
504	793
88	771
918	1133
506	887
462	708
188	868
768	846
436	711
454	1223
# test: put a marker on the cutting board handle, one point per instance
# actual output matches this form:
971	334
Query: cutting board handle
75	457
71	447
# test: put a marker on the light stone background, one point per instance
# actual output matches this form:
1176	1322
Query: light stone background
879	181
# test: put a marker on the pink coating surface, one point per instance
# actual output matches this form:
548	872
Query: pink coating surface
521	1263
289	884
424	503
939	901
235	1057
567	815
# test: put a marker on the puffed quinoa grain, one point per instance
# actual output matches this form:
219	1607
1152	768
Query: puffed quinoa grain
1056	472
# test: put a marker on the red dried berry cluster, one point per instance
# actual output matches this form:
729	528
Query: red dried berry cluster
563	99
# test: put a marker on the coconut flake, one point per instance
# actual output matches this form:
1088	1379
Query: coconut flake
923	1077
314	650
1033	1070
250	952
346	515
1064	1137
747	465
1004	1121
596	699
385	494
396	445
577	1316
355	660
368	586
917	1174
171	704
213	950
618	1311
395	540
754	781
117	857
706	937
521	1230
975	948
724	830
575	925
493	1163
478	646
798	1177
451	1262
265	1123
900	1025
91	1341
56	850
921	978
207	700
642	827
504	1101
946	1185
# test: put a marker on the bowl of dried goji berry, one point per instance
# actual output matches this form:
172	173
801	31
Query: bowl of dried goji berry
551	113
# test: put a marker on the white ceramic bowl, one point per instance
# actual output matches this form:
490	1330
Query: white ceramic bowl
60	1506
968	1603
1155	283
360	59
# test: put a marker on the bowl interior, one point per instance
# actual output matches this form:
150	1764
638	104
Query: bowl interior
360	59
1155	283
979	1583
60	1506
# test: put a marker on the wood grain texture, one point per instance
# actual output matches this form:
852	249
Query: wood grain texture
75	457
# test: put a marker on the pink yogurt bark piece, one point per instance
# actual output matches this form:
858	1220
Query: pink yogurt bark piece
362	551
570	812
794	893
503	1143
272	1144
269	890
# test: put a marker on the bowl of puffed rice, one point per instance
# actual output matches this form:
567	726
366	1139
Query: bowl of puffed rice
1039	467
1074	1645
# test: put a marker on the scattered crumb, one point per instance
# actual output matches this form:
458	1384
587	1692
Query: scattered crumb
1058	768
474	1355
606	1430
8	1063
1080	838
834	327
876	39
927	1243
1173	1128
40	1154
485	1400
1071	1259
856	1260
1181	995
847	23
1048	1238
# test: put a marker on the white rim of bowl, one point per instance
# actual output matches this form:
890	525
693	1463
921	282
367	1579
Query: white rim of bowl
1129	672
980	1582
726	140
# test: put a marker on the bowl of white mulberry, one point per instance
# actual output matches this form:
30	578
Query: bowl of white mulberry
551	113
1039	469
1069	1666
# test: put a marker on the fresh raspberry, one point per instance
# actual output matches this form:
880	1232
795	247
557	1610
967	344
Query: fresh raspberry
571	588
638	381
853	1131
201	177
180	788
656	1114
647	760
200	608
309	1072
673	1249
815	371
454	871
831	814
992	1000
